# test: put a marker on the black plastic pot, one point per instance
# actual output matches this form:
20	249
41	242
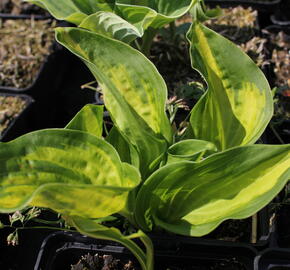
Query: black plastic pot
282	236
60	250
70	96
282	14
263	232
57	89
273	259
274	28
22	123
265	8
24	16
23	255
48	77
277	255
45	87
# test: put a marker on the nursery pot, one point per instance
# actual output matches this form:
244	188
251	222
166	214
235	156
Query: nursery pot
273	259
44	89
265	8
45	86
56	89
70	95
62	249
283	226
282	14
277	255
24	254
232	232
48	77
21	123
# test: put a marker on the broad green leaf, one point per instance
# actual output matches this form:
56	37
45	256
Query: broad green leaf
134	92
126	151
238	104
142	14
61	10
153	13
200	12
111	25
88	119
129	154
193	198
69	171
74	11
191	150
140	17
92	6
95	230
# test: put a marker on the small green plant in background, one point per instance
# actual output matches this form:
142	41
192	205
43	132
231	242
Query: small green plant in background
142	170
124	20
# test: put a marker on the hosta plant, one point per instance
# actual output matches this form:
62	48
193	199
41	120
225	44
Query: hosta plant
142	170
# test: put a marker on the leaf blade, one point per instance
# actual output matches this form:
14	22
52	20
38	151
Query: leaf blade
238	104
74	11
88	119
61	10
111	25
191	150
65	170
134	92
153	14
196	197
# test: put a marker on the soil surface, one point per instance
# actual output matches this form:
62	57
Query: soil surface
108	262
237	16
18	7
102	262
24	45
279	46
10	108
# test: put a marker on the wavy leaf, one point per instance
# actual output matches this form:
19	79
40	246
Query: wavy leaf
62	10
134	92
88	119
193	198
69	171
74	11
111	25
152	13
126	151
191	150
238	104
92	6
142	14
